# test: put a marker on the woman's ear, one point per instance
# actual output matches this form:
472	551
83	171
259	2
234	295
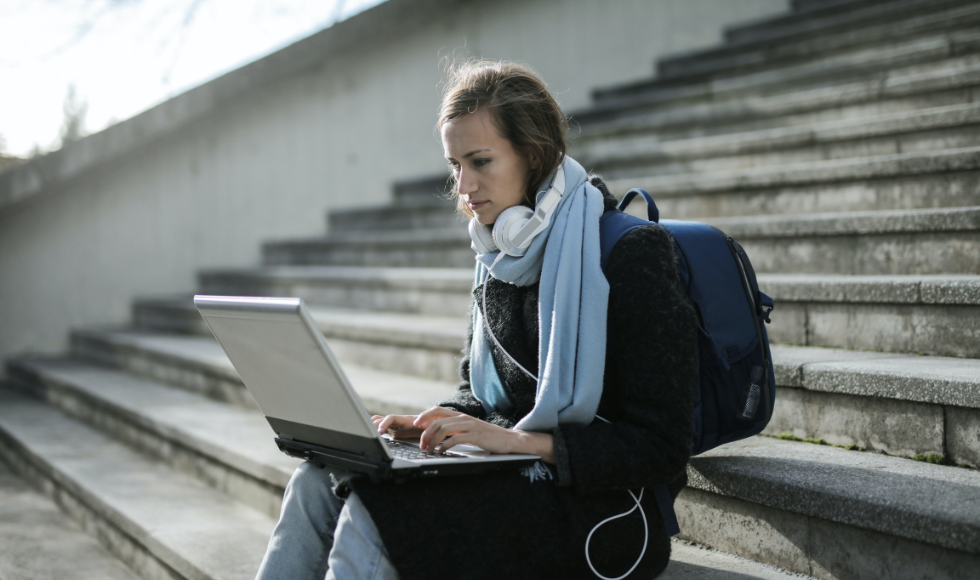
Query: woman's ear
533	162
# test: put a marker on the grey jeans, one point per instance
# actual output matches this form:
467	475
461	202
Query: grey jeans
321	536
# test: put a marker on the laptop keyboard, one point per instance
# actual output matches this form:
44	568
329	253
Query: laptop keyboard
411	451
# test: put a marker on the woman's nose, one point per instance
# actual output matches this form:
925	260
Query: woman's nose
466	185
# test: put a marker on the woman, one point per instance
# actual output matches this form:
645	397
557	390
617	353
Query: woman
608	412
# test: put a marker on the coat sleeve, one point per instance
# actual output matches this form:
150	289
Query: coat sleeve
650	375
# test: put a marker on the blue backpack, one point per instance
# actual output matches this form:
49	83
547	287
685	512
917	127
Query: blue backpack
735	372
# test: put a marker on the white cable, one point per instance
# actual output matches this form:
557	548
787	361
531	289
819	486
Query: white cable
646	536
486	324
643	515
646	530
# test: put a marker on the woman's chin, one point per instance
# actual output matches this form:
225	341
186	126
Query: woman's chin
487	220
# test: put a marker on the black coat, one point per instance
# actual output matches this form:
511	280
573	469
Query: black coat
501	525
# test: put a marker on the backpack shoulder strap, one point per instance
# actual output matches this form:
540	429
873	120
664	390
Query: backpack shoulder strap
613	225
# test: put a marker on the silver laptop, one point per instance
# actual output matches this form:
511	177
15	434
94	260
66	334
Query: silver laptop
287	366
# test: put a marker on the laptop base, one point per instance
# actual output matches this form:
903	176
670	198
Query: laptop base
378	470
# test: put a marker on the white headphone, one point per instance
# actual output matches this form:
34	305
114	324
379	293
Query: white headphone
517	226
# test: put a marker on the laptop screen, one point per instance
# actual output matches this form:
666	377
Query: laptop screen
284	361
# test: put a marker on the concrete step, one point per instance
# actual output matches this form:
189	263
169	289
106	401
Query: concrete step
928	130
161	523
435	291
900	404
822	67
801	5
692	562
39	542
168	314
431	189
932	315
819	19
923	241
952	51
919	241
199	364
945	82
237	446
834	513
431	248
401	215
420	345
945	178
929	314
227	448
894	20
936	241
904	405
742	497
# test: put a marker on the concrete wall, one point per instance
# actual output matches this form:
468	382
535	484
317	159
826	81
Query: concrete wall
264	151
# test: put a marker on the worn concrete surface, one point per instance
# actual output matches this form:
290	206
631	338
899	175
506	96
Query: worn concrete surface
932	504
191	361
752	531
789	361
855	169
895	427
428	208
444	333
963	435
228	448
938	380
818	71
928	330
39	542
896	242
447	248
692	562
795	142
434	291
839	552
881	313
924	253
878	23
850	223
813	546
142	506
942	289
953	189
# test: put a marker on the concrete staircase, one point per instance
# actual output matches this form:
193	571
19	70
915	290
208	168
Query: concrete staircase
839	143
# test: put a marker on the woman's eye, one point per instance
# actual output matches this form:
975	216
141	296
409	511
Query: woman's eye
481	162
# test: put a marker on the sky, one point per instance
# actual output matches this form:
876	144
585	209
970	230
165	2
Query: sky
125	56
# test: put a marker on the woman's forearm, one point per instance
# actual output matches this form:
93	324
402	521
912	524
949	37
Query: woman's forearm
542	444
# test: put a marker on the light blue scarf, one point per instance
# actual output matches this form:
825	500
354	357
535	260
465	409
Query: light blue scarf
573	297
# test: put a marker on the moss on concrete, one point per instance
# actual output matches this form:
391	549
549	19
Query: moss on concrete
789	437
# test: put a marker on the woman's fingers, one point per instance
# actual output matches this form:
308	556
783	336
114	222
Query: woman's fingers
426	417
396	424
454	440
439	429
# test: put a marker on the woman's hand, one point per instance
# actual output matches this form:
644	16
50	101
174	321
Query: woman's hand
442	433
404	426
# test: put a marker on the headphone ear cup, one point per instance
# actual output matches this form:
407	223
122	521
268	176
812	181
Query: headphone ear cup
482	238
510	221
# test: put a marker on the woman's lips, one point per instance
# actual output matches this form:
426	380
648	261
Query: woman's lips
476	204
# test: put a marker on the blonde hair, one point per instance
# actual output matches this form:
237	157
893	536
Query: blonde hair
521	107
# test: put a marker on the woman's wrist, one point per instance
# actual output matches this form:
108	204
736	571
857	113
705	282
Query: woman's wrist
541	444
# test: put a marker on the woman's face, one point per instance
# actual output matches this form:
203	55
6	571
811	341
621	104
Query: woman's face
491	175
